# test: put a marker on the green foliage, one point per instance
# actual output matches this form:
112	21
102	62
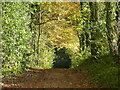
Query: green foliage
79	58
104	71
44	59
21	45
15	35
42	48
31	30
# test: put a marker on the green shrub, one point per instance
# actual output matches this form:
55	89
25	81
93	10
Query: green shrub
104	71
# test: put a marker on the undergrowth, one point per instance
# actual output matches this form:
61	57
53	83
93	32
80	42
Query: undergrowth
103	71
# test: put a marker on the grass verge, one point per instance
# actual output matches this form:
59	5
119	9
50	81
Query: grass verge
103	71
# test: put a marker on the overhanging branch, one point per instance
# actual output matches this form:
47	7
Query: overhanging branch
45	21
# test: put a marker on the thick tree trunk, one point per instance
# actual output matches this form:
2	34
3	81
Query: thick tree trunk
93	20
84	36
109	27
36	35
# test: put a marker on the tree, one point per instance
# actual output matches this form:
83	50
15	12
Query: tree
84	37
43	53
110	29
93	21
117	27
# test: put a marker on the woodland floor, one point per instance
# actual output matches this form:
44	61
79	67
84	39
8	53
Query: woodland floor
51	78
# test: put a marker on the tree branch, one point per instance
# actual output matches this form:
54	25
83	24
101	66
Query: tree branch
45	21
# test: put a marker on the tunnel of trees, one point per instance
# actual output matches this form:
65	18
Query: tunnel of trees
62	59
46	35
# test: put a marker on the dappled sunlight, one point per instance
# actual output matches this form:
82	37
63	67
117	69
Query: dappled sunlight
59	44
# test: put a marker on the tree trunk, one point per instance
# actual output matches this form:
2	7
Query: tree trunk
84	36
109	27
93	21
117	28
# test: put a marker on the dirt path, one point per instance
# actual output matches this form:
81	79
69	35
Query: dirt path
50	78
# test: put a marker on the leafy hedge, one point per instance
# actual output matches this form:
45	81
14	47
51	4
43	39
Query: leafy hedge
17	37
